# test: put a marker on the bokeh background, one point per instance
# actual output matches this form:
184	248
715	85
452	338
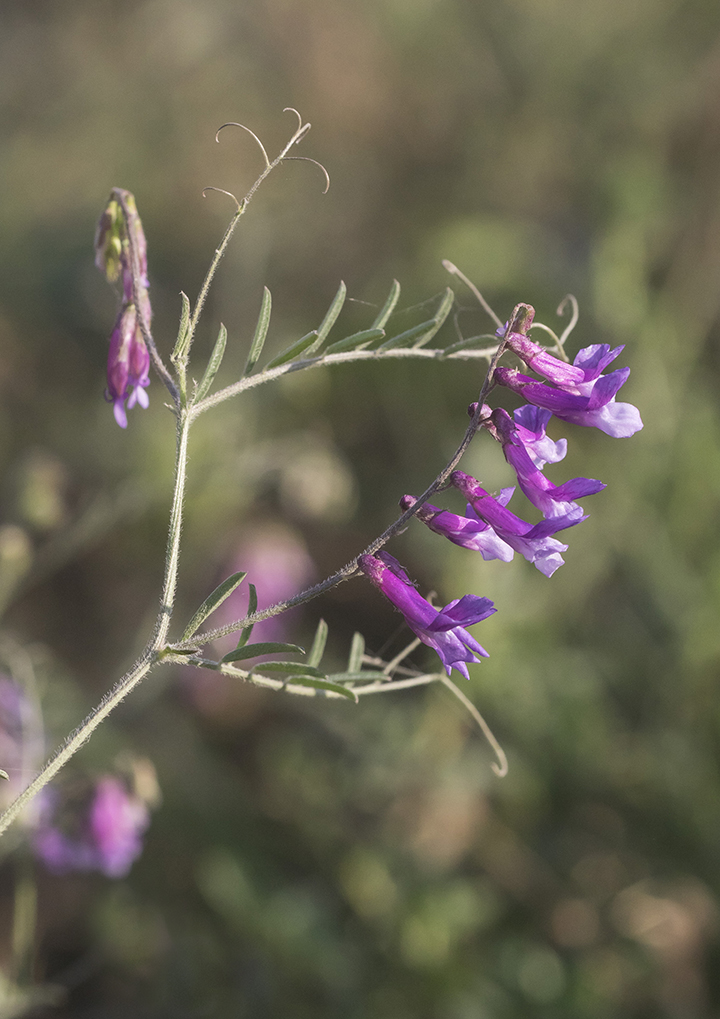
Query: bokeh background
313	858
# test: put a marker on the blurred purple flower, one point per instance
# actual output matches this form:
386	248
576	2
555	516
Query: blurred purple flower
535	543
277	562
444	631
580	394
468	531
21	743
552	500
106	836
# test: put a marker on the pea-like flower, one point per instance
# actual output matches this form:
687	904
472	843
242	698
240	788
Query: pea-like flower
443	630
468	531
105	834
531	423
552	500
534	542
580	392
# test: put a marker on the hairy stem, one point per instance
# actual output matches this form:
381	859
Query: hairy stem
152	654
172	554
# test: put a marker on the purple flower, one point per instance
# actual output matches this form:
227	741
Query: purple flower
468	532
443	630
535	543
128	365
106	835
552	500
580	394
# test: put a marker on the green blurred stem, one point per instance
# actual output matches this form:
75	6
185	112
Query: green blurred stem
24	920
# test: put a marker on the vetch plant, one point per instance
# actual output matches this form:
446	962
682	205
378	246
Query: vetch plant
109	833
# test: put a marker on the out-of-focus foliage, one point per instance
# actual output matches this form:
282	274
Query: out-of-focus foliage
315	858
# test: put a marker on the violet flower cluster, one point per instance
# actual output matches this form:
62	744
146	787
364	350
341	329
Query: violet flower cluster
578	393
128	358
105	834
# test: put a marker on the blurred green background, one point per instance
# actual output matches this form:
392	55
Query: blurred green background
320	859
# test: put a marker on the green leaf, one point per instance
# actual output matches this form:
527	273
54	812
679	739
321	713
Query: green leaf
251	610
266	648
260	332
212	365
221	592
182	344
388	307
318	645
4	774
469	343
291	352
330	318
408	338
357	650
289	668
419	335
355	342
323	684
356	677
448	299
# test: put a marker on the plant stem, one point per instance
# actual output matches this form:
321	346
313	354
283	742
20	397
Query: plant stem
207	282
152	654
172	554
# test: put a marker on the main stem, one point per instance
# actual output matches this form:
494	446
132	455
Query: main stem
150	656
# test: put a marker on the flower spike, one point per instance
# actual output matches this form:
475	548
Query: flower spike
128	357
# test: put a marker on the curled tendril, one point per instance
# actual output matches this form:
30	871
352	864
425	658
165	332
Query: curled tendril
233	123
302	129
223	192
572	301
548	330
307	159
299	133
501	768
